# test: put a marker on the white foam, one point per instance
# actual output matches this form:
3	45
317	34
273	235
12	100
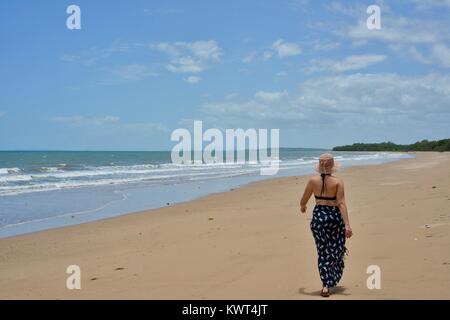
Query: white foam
9	170
15	178
55	178
50	169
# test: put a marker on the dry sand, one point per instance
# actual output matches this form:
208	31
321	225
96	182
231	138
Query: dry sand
251	243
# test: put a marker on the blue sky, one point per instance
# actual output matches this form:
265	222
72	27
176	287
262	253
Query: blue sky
139	69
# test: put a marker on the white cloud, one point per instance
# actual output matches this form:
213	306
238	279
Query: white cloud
440	53
286	49
193	79
280	48
270	95
249	57
207	50
325	45
397	30
267	55
112	74
190	57
419	39
249	113
186	65
166	47
2	114
377	94
350	63
410	52
358	99
231	96
352	10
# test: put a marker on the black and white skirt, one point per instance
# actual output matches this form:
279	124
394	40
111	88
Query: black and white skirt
328	229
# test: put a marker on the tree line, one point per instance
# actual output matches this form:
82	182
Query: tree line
424	145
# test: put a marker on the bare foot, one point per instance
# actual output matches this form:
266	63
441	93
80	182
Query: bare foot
325	292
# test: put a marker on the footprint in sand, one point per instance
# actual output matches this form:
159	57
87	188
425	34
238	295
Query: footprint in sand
433	225
119	268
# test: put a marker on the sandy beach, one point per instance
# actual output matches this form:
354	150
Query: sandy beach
251	243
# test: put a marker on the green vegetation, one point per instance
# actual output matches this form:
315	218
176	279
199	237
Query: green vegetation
424	145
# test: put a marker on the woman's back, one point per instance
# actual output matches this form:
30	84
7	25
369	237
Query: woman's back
330	186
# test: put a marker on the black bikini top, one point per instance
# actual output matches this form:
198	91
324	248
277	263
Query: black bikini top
323	189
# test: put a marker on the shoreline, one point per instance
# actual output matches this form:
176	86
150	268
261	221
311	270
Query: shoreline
121	204
249	243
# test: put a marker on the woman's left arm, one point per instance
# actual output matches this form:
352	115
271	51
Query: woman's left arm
306	195
340	197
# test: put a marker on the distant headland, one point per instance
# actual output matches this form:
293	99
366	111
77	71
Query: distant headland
424	145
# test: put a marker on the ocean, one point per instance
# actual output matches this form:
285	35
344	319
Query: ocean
46	189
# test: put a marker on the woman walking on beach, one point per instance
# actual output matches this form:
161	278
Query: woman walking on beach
330	224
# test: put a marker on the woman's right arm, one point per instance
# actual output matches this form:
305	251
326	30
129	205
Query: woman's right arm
340	197
306	195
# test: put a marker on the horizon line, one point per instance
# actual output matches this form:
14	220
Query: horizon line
113	150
